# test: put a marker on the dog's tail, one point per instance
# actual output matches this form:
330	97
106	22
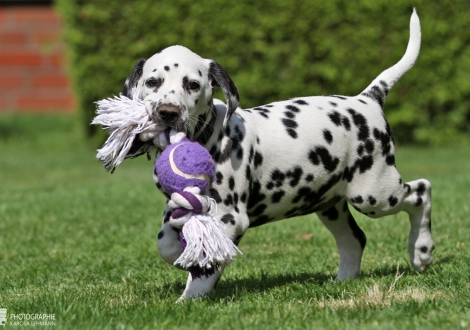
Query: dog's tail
381	85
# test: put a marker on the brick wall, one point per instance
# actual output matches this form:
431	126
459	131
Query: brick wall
32	69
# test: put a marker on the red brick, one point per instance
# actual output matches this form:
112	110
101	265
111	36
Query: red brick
36	14
9	38
57	59
3	14
28	103
9	82
50	80
20	59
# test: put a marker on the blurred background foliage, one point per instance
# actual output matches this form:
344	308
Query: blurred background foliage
278	49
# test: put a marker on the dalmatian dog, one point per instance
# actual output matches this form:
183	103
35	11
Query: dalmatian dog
289	158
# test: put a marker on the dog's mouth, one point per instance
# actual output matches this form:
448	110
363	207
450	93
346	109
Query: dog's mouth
179	125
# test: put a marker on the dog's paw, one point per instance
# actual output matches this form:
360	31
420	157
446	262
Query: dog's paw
421	255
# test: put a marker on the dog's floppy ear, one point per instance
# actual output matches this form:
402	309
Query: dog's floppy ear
223	80
133	78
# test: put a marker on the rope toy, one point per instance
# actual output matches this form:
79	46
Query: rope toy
185	170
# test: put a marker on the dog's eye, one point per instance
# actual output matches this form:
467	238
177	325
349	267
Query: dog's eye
193	85
152	82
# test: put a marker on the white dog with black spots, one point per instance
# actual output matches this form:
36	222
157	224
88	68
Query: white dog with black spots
286	159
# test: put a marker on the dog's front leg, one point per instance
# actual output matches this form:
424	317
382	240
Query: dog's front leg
201	286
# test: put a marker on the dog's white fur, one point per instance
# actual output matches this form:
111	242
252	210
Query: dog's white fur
288	158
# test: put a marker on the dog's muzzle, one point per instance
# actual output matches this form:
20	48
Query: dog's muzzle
169	114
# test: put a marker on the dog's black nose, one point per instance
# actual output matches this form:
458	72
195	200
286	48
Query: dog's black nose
168	113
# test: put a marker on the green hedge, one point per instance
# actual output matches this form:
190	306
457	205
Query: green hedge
280	49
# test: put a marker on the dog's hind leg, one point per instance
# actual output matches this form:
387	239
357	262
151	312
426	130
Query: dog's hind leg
417	203
412	197
350	239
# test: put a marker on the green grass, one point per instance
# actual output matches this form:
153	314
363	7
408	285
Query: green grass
80	243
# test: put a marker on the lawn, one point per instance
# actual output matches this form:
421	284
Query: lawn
80	243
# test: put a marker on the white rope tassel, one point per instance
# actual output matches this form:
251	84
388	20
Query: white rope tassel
125	118
207	244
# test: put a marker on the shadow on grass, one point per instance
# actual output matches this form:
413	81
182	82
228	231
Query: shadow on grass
253	284
236	288
391	270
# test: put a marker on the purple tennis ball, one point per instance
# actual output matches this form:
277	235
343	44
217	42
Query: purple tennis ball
185	164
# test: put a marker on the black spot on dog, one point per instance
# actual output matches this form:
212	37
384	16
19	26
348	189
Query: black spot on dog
215	195
357	231
248	172
229	200
243	197
358	119
357	200
167	68
154	70
407	187
292	133
360	150
289	123
255	196
365	163
276	197
228	219
240	153
369	146
423	249
289	114
419	201
200	74
176	65
161	234
346	123
222	157
262	111
300	102
390	160
385	139
231	183
335	117
372	200
309	178
277	178
327	136
321	154
258	159
392	200
251	155
293	108
332	213
334	104
296	174
377	93
258	210
421	189
219	177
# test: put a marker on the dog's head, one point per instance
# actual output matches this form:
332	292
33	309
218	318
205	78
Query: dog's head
177	87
